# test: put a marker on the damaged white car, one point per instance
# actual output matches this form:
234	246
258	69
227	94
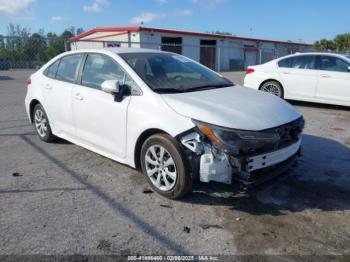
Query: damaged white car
173	118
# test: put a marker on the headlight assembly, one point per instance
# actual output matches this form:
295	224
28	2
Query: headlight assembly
235	141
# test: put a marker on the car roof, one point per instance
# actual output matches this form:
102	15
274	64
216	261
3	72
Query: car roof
107	51
121	50
116	50
318	53
342	56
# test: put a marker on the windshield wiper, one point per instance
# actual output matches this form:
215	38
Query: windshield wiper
206	87
183	90
167	90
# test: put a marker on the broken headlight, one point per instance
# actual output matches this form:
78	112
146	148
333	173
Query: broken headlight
234	141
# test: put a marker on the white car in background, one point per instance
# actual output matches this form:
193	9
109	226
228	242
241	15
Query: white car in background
165	114
314	77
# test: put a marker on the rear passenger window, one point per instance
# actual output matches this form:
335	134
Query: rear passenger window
304	62
287	63
99	68
52	69
68	67
298	62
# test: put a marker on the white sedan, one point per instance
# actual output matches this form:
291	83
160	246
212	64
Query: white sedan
314	77
165	114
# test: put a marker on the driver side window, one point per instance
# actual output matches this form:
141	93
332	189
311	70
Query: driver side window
99	68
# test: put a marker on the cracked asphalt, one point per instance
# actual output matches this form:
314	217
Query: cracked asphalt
62	199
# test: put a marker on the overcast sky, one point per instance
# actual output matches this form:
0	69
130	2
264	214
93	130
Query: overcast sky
296	20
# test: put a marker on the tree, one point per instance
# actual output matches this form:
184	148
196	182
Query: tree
79	31
74	31
2	42
24	49
342	42
55	45
67	34
18	31
324	45
3	50
34	49
18	38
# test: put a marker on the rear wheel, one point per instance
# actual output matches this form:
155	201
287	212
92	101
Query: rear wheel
165	167
42	125
272	87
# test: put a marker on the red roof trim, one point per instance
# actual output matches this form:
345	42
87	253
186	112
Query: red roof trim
170	31
105	29
103	36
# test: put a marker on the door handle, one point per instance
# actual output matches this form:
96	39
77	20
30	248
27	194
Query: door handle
78	96
48	87
325	76
286	73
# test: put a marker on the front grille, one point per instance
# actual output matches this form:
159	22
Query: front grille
289	133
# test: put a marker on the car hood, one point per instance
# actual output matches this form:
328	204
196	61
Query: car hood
233	107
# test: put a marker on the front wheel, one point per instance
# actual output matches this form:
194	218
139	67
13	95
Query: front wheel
165	167
273	87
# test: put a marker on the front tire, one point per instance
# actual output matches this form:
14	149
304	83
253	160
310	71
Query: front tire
42	125
272	87
164	165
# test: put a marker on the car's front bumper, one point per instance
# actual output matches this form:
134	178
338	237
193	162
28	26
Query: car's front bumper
272	158
260	168
263	175
213	164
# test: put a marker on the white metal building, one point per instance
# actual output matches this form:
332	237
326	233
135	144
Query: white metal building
219	52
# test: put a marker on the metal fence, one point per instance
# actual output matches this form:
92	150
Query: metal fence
33	52
29	52
344	53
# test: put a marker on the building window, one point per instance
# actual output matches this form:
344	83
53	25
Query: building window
172	44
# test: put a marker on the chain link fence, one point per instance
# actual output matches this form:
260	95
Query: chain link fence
32	53
344	53
29	53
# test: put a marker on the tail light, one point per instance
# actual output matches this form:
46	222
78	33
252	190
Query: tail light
29	81
250	70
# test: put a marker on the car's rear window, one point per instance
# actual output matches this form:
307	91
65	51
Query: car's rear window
298	62
286	62
52	70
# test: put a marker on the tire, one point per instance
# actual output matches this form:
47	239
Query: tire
42	125
273	87
169	180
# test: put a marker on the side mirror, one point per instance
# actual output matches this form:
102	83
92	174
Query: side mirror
348	68
111	86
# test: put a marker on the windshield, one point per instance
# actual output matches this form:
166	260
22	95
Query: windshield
172	73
